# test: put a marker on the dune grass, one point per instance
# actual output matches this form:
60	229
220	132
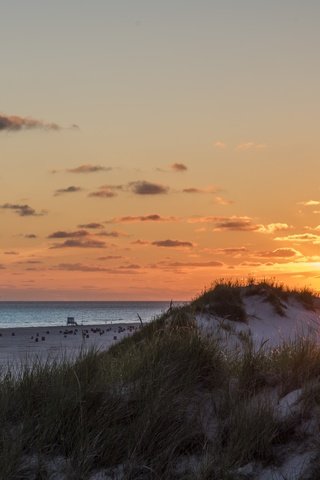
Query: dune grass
223	299
139	408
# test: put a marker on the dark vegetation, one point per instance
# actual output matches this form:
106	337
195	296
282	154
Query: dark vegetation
155	401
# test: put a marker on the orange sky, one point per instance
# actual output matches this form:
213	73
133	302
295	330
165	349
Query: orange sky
147	151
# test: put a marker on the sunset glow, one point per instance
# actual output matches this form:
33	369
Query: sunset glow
149	148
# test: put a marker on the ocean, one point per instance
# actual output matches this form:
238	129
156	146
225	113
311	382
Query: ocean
35	314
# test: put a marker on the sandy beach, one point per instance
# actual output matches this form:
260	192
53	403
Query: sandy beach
22	346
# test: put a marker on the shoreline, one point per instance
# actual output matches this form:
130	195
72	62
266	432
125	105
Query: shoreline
21	346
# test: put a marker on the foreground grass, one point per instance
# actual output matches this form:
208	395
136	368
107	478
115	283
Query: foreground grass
159	397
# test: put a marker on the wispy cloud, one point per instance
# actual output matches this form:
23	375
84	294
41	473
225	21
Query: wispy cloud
172	243
89	168
30	236
14	123
64	234
231	250
239	223
179	167
309	203
92	225
140	242
210	189
103	192
142	218
220	145
113	234
300	238
222	201
74	243
22	210
143	187
71	189
79	267
139	187
209	264
274	227
250	146
279	253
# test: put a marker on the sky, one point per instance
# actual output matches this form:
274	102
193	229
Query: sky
150	148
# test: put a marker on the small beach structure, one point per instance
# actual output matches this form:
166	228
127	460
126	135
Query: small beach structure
71	321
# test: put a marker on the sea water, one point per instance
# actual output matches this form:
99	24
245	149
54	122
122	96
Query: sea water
34	314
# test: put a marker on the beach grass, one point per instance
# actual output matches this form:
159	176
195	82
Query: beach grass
165	403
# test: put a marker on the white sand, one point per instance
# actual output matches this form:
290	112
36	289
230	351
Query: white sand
264	326
21	346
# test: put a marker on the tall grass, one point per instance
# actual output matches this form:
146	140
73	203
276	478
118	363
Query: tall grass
223	299
141	404
127	406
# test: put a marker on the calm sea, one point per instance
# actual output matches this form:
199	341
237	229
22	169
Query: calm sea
33	314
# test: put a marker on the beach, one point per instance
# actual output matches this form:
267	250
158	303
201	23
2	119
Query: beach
23	346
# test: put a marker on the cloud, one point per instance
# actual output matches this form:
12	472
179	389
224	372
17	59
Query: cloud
179	167
234	223
231	250
195	264
309	203
142	218
273	227
251	264
172	243
88	168
92	225
74	243
279	253
130	266
192	190
241	224
11	252
103	192
250	146
2	267
140	242
22	210
79	267
64	234
113	233
143	187
220	145
140	187
211	189
32	262
110	257
71	189
30	236
300	238
14	123
222	201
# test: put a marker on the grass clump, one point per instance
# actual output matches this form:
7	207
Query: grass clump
248	431
223	299
126	406
277	294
